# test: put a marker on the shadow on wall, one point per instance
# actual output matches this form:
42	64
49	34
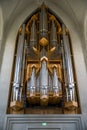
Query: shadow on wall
85	26
1	25
1	29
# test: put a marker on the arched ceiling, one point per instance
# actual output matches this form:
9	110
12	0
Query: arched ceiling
75	9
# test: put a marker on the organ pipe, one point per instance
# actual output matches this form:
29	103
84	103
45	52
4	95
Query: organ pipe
64	64
55	81
43	26
18	66
43	22
53	36
70	77
23	63
44	77
33	35
33	81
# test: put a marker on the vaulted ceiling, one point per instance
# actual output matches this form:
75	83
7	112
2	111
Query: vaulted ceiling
75	9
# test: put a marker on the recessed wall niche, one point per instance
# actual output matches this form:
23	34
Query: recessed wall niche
43	75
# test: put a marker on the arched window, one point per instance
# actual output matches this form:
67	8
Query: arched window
43	78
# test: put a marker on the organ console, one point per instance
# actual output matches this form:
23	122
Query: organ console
43	69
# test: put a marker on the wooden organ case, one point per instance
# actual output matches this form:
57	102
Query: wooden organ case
43	80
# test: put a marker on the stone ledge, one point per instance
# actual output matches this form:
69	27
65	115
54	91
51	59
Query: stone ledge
58	122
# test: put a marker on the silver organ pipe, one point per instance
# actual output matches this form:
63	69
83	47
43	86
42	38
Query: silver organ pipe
53	36
43	26
64	64
22	71
33	35
18	65
70	78
33	81
38	83
55	81
44	78
60	86
23	63
43	22
50	83
64	70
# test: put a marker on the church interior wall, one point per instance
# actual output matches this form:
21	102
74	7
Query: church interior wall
9	37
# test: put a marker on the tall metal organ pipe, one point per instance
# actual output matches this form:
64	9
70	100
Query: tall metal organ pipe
33	81
43	26
53	36
23	63
18	66
44	77
64	68
64	63
55	81
70	90
33	36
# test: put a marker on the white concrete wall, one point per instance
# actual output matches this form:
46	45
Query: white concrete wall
1	26
85	30
1	22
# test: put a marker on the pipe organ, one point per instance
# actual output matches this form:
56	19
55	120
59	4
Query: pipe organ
43	73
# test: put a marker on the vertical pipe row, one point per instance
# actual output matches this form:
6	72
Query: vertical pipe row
70	78
18	66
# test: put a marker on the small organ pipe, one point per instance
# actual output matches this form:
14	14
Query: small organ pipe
53	35
55	81
33	81
16	93
33	36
